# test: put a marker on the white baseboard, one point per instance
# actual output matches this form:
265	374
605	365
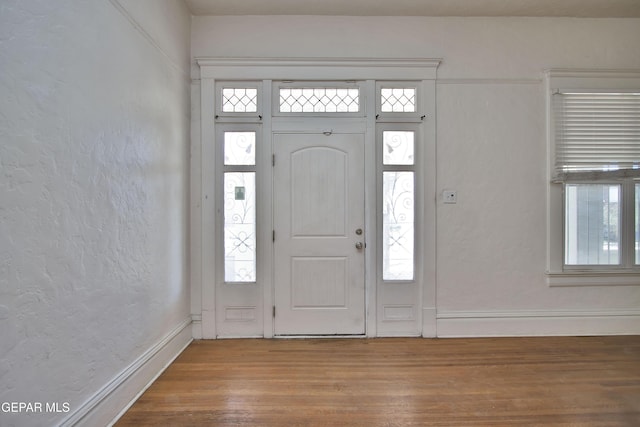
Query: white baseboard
196	326
113	400
429	322
538	323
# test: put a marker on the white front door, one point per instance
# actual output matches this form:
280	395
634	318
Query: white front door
319	234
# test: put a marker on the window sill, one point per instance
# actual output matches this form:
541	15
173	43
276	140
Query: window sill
593	278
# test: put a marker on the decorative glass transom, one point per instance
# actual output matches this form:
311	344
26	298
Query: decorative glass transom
239	100
398	100
319	100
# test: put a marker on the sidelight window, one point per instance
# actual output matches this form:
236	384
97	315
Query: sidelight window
238	115
398	204
239	200
398	225
239	227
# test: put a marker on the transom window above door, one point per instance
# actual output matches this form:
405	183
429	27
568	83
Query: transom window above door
319	100
398	101
241	99
304	98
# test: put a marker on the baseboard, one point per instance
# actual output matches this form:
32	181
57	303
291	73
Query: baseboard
429	322
113	400
538	323
196	326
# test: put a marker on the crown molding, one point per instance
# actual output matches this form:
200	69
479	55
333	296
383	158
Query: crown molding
318	68
149	38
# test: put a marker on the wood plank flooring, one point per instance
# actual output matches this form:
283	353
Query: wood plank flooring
551	381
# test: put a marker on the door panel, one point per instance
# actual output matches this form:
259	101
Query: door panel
318	282
318	193
318	206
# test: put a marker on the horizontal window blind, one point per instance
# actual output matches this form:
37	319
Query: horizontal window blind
597	135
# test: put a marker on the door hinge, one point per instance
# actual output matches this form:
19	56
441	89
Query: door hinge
274	311
273	160
274	235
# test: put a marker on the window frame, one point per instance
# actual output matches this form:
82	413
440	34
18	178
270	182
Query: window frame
558	273
414	168
235	122
222	169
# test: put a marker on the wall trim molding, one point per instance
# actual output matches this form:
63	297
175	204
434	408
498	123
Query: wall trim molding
618	73
145	34
538	323
593	278
116	396
535	313
318	62
317	68
481	81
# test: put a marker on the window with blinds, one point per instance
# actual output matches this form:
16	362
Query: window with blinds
597	135
593	227
597	157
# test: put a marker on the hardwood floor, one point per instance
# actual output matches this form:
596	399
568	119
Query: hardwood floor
553	381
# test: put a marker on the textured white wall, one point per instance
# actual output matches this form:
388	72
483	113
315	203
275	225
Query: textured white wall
470	47
491	137
93	193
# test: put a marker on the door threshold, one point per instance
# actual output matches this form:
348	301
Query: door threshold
291	337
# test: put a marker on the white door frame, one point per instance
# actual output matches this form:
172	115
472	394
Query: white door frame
204	201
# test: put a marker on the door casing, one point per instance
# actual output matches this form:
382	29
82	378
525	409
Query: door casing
205	204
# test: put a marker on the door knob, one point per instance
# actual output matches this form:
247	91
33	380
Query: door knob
359	231
359	245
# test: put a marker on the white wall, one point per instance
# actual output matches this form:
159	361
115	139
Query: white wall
491	148
93	196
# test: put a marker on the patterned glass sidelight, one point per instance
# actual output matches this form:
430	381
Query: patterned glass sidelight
239	227
398	147
239	148
398	226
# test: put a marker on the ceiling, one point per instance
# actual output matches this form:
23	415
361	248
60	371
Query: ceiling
550	8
